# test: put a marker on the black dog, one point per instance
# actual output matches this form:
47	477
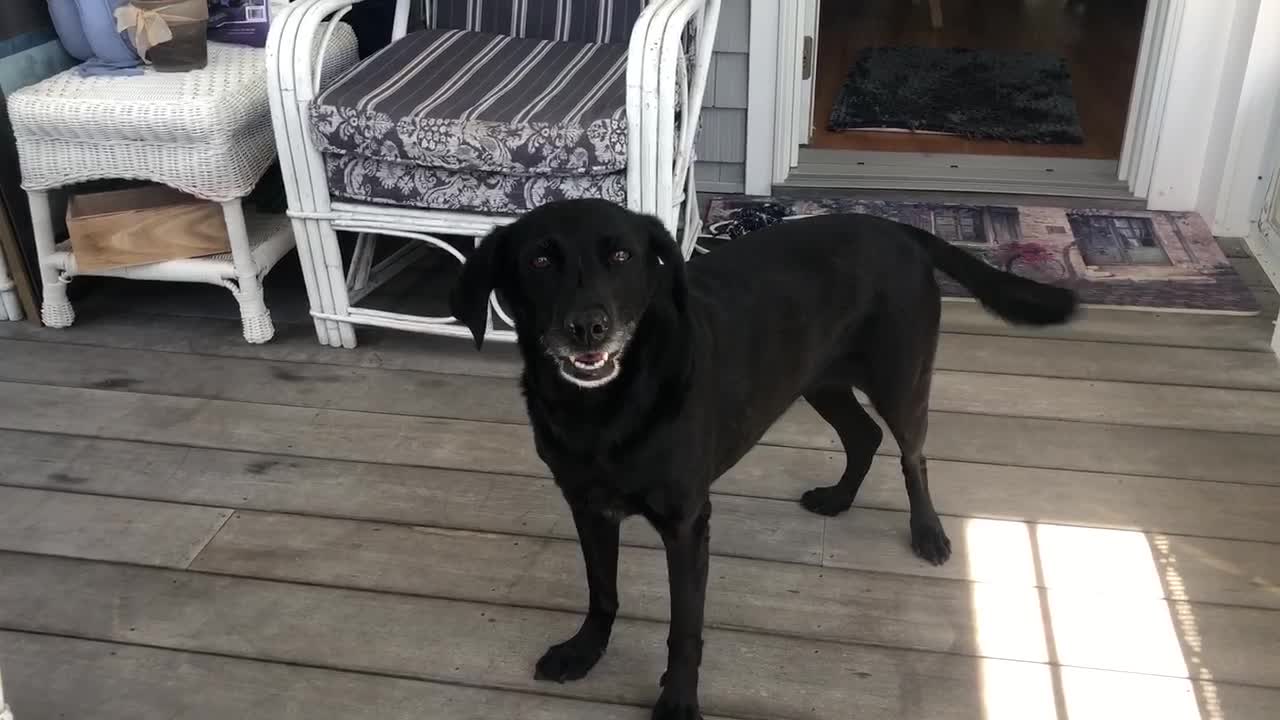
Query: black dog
646	381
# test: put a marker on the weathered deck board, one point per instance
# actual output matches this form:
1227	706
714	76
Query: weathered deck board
1109	361
750	675
1093	447
1117	403
997	551
507	448
1094	323
1123	361
100	528
1243	511
497	400
389	350
448	641
1221	571
1250	270
1235	644
57	678
1126	326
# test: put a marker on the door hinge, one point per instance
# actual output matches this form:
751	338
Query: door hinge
806	58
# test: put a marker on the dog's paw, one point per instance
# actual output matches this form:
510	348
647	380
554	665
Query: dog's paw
826	500
930	542
568	661
671	707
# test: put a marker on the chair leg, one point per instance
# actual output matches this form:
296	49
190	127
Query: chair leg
692	225
254	316
10	308
5	712
331	252
55	309
307	263
935	14
361	262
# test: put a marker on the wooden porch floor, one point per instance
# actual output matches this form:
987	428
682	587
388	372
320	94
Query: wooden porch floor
191	527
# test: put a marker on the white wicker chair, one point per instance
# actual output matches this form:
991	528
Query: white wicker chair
206	132
374	172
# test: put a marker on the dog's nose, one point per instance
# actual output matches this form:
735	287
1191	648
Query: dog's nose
588	326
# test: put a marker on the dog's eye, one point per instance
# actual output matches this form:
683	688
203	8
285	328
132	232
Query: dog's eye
620	257
541	262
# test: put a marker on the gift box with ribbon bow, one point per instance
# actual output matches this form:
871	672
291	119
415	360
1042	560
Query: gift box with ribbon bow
170	35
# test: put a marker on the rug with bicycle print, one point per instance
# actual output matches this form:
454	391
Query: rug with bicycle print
1117	258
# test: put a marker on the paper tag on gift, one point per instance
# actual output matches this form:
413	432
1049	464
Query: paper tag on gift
243	22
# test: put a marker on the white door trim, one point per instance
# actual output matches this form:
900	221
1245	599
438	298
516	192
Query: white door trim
1151	81
1263	237
802	117
1253	139
789	43
762	94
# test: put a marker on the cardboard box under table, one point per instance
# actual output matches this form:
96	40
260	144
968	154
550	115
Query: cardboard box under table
144	225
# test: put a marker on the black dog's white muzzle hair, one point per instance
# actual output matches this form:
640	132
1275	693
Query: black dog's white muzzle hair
592	369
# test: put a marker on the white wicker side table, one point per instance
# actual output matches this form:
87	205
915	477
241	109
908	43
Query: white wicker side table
205	132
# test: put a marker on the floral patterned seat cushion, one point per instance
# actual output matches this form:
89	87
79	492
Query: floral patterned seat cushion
392	183
479	102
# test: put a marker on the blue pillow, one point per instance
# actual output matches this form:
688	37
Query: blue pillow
66	21
111	48
89	33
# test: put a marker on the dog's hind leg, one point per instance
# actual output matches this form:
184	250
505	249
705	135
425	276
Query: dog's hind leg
860	436
904	404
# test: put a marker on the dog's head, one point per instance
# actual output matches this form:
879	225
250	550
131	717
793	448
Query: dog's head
578	276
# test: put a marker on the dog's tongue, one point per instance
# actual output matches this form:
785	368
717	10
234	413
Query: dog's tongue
590	358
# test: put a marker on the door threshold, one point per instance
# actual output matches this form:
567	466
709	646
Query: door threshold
1002	174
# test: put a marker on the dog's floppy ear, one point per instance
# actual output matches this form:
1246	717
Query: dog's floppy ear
665	249
482	273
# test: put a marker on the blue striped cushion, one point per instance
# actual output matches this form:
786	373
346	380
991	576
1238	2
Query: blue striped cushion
459	100
588	21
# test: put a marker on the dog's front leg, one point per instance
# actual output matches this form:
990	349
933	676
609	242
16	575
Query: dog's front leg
574	658
687	545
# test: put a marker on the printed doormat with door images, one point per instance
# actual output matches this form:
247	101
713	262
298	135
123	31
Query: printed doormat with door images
1116	258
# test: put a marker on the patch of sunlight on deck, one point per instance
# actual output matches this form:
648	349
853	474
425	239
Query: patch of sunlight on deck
1108	634
1009	622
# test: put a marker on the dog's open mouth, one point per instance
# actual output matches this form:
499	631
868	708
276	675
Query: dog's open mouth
591	369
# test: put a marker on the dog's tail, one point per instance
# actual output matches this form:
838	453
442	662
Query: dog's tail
1016	299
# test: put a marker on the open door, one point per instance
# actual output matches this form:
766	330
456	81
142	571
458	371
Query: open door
792	88
1269	227
803	123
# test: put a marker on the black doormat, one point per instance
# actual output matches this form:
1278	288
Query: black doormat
979	94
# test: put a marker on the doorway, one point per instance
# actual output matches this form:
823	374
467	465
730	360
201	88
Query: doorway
1070	63
1116	58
